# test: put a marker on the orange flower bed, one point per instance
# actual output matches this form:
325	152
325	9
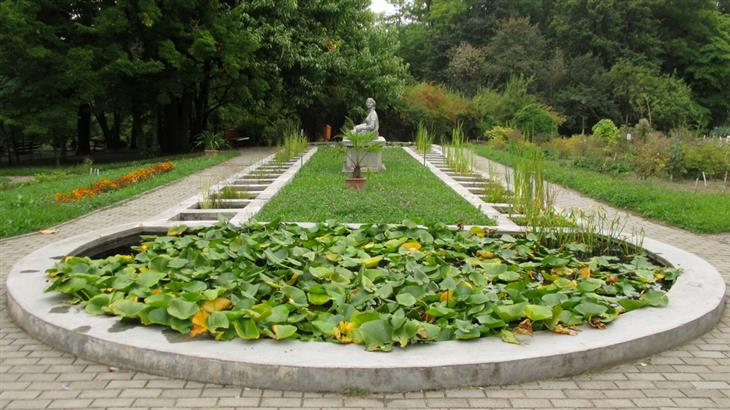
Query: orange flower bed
106	184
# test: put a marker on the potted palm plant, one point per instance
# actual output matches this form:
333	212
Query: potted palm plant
361	144
211	142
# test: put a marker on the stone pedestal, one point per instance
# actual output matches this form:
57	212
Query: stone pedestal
371	161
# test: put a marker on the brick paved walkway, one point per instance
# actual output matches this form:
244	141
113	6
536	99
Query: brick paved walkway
35	376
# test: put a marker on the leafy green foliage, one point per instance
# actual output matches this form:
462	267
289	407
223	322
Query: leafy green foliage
211	141
605	130
436	106
533	120
568	46
377	286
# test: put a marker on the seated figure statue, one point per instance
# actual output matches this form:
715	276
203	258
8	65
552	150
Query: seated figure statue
373	161
371	123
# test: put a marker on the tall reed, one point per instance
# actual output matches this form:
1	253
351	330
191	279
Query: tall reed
423	139
459	156
293	145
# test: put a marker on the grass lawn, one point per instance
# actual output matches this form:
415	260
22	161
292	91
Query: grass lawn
82	169
406	190
31	206
699	212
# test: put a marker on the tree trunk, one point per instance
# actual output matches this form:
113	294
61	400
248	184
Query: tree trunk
104	125
111	134
175	124
83	130
137	130
200	113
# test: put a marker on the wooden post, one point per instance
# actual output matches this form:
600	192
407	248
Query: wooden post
327	133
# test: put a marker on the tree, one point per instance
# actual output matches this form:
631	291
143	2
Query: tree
696	38
609	29
534	120
467	68
664	100
495	108
518	48
43	74
584	94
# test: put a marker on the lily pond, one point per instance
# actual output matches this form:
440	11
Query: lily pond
378	285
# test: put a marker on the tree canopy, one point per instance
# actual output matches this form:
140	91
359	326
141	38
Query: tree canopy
673	55
153	75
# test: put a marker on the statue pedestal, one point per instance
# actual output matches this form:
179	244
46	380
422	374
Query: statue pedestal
371	161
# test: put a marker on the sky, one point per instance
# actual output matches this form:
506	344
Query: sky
381	6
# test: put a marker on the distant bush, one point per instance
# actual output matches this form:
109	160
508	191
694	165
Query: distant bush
652	157
707	155
605	130
534	120
502	133
436	106
722	131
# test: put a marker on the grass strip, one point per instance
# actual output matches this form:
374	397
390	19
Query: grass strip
83	169
31	206
405	190
698	212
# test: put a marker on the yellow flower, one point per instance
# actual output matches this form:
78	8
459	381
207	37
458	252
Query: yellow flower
343	332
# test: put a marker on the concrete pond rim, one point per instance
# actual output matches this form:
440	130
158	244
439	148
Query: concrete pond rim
696	302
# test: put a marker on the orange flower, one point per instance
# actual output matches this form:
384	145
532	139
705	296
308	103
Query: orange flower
106	184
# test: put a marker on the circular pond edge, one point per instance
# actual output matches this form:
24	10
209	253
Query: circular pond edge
696	302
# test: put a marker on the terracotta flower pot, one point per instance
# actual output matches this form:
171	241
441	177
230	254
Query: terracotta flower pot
210	152
355	183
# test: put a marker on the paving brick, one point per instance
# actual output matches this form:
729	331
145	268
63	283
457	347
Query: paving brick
116	402
712	385
238	401
363	402
322	402
140	393
69	404
197	402
280	402
27	404
574	403
655	402
528	403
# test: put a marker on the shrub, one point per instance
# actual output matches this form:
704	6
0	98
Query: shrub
577	146
722	131
653	156
211	140
436	106
495	107
605	130
502	133
709	156
534	120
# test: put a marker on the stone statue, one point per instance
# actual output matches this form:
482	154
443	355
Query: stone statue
371	161
371	121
